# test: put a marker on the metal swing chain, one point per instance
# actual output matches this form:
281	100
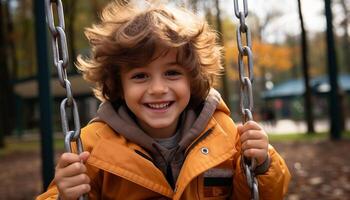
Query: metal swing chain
61	60
246	93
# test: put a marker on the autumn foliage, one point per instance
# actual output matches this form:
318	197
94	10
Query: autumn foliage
273	57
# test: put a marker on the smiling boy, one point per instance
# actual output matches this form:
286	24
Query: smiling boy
162	131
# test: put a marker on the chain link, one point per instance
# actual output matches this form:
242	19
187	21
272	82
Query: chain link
246	91
61	60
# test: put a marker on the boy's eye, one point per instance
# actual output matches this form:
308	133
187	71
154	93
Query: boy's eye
139	76
173	73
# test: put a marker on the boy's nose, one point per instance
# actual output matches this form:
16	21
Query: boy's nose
158	86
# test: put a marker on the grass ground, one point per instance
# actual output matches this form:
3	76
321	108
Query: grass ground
304	137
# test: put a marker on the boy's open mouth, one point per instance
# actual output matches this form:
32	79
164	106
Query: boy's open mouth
163	105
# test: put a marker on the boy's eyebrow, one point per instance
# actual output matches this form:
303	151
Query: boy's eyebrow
172	63
127	68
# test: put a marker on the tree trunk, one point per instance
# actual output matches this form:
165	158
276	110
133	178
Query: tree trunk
27	43
225	90
11	42
334	106
346	41
70	9
12	70
305	66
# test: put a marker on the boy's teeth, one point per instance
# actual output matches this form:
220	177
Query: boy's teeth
158	105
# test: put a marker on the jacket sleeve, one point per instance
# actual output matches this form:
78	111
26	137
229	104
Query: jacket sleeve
88	137
50	194
273	184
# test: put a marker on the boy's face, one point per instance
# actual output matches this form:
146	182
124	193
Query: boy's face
157	94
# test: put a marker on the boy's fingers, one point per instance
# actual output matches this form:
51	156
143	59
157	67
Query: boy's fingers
77	191
73	169
67	159
252	135
84	156
251	125
253	144
73	181
254	153
259	154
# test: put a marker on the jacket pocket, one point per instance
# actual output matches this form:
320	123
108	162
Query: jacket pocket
215	184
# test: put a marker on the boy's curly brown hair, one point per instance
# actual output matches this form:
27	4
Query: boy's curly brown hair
129	34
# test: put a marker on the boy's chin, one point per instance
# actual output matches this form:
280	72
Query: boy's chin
159	126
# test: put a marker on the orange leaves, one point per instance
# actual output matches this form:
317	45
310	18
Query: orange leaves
268	56
276	57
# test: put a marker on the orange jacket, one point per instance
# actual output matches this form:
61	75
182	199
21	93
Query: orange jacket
119	169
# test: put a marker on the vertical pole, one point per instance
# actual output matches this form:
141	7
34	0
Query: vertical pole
44	93
334	107
3	78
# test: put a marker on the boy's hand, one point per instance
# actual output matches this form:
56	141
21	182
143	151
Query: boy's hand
70	176
254	141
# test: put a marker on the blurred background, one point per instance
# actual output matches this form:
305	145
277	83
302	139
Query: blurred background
301	51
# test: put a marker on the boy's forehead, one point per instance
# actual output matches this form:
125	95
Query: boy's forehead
165	56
